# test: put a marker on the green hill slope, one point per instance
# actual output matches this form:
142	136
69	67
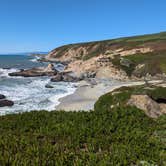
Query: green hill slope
137	56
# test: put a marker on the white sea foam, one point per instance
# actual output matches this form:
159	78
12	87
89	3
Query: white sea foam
31	94
55	99
5	72
35	59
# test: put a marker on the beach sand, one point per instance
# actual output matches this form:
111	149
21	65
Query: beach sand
84	98
86	95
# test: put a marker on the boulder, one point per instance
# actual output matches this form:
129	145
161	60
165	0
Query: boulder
69	78
2	97
4	103
66	77
48	86
145	103
58	77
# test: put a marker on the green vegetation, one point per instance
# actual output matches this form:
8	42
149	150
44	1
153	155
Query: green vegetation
107	136
127	68
100	47
120	96
147	38
154	63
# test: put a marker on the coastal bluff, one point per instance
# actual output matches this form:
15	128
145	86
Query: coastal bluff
122	58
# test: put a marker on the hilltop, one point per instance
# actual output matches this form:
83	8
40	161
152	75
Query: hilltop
123	58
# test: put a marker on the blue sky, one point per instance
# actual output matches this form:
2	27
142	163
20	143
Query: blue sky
41	25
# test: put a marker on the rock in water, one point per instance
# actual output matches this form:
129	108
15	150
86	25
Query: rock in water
64	77
48	86
4	103
2	97
35	72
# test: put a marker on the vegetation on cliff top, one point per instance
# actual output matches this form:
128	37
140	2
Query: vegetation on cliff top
119	136
99	47
154	61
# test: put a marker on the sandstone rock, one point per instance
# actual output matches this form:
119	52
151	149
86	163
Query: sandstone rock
163	108
34	72
66	77
49	68
145	103
4	103
111	73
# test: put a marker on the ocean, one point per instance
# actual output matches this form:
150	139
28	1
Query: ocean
29	94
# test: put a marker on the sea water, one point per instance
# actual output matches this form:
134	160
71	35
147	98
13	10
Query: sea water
29	93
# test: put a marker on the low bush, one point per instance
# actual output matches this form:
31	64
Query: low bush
107	136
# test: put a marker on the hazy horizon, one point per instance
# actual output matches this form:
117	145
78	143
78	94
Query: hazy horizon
29	52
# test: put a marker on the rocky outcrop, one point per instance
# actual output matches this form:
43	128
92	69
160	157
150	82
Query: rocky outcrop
2	97
111	73
148	105
34	72
4	102
66	77
163	108
100	56
49	86
49	68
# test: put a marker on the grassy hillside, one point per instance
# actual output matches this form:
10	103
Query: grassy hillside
119	136
102	46
154	61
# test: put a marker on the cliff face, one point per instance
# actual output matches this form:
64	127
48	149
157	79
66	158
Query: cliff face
118	58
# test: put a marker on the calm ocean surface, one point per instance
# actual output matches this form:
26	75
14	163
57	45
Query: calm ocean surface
18	61
29	93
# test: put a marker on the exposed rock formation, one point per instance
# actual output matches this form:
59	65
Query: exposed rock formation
49	86
95	56
145	103
112	73
66	77
2	97
49	68
5	103
34	72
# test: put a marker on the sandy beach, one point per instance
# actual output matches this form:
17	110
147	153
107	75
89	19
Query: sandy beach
86	94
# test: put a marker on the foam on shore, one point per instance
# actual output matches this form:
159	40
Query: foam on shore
31	94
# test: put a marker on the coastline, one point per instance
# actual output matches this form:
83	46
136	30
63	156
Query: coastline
86	95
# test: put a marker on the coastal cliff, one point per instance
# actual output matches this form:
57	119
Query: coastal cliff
123	58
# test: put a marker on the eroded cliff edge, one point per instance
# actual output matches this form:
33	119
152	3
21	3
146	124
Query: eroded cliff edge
123	58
